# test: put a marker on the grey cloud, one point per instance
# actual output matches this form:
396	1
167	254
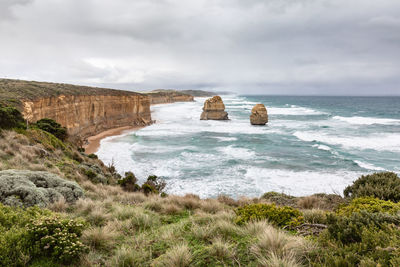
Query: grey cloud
254	46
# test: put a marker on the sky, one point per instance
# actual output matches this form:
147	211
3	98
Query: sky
295	47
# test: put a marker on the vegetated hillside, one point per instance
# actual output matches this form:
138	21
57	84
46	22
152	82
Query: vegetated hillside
11	91
118	222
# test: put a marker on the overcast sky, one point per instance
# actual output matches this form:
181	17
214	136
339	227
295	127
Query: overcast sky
323	47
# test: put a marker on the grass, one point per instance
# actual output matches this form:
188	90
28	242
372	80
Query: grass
132	229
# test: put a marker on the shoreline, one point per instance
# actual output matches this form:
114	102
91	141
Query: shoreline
94	141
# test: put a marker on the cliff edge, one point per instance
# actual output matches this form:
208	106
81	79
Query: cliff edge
83	110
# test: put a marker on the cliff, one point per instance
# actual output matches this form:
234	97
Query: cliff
168	96
85	111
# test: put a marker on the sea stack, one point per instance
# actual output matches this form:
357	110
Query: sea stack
214	109
259	115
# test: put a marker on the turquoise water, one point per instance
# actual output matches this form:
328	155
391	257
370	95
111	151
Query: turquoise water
310	145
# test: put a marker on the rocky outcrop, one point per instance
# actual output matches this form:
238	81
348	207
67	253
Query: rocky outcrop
168	96
259	115
30	188
214	109
87	115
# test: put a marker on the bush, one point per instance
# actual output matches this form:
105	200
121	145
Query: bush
56	238
369	204
153	185
362	239
93	156
384	185
52	127
29	234
129	183
279	216
10	117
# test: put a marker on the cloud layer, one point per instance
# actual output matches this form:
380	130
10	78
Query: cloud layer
326	47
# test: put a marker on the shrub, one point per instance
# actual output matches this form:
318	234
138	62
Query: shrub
362	239
279	216
52	127
129	183
10	117
369	204
384	185
153	185
32	233
349	229
56	238
93	156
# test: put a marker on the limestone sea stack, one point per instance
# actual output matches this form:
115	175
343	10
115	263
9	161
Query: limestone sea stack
259	115
214	109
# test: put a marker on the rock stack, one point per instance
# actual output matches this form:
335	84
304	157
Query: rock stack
214	109
259	115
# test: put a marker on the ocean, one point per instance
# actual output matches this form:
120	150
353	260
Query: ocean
310	145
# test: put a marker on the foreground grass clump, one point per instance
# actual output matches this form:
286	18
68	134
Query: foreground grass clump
384	185
279	216
27	235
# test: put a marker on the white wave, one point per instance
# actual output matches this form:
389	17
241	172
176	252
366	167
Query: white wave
366	120
300	183
299	111
379	142
237	152
368	166
322	147
225	139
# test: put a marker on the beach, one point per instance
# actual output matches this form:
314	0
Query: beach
94	141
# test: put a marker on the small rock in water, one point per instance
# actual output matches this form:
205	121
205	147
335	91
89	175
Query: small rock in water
214	109
259	115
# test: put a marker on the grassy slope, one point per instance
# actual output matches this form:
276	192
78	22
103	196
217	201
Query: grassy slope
11	91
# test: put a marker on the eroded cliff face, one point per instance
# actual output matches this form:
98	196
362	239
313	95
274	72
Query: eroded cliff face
87	115
163	98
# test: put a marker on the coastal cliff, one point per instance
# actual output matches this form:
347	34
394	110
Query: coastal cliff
84	116
168	96
84	111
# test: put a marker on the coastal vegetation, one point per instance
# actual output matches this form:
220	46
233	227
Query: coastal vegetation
120	221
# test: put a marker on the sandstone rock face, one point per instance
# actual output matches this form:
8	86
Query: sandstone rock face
87	115
214	109
259	115
29	188
167	96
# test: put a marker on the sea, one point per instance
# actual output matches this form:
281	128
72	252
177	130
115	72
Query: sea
311	144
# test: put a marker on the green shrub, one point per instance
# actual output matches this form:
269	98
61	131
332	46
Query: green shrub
369	204
56	238
384	185
10	117
52	127
93	156
153	185
279	216
129	182
29	234
362	239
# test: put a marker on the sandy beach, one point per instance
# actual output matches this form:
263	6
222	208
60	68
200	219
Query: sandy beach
94	141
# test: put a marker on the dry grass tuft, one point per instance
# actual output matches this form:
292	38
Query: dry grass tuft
177	256
59	206
315	216
221	249
310	202
227	201
100	238
171	209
